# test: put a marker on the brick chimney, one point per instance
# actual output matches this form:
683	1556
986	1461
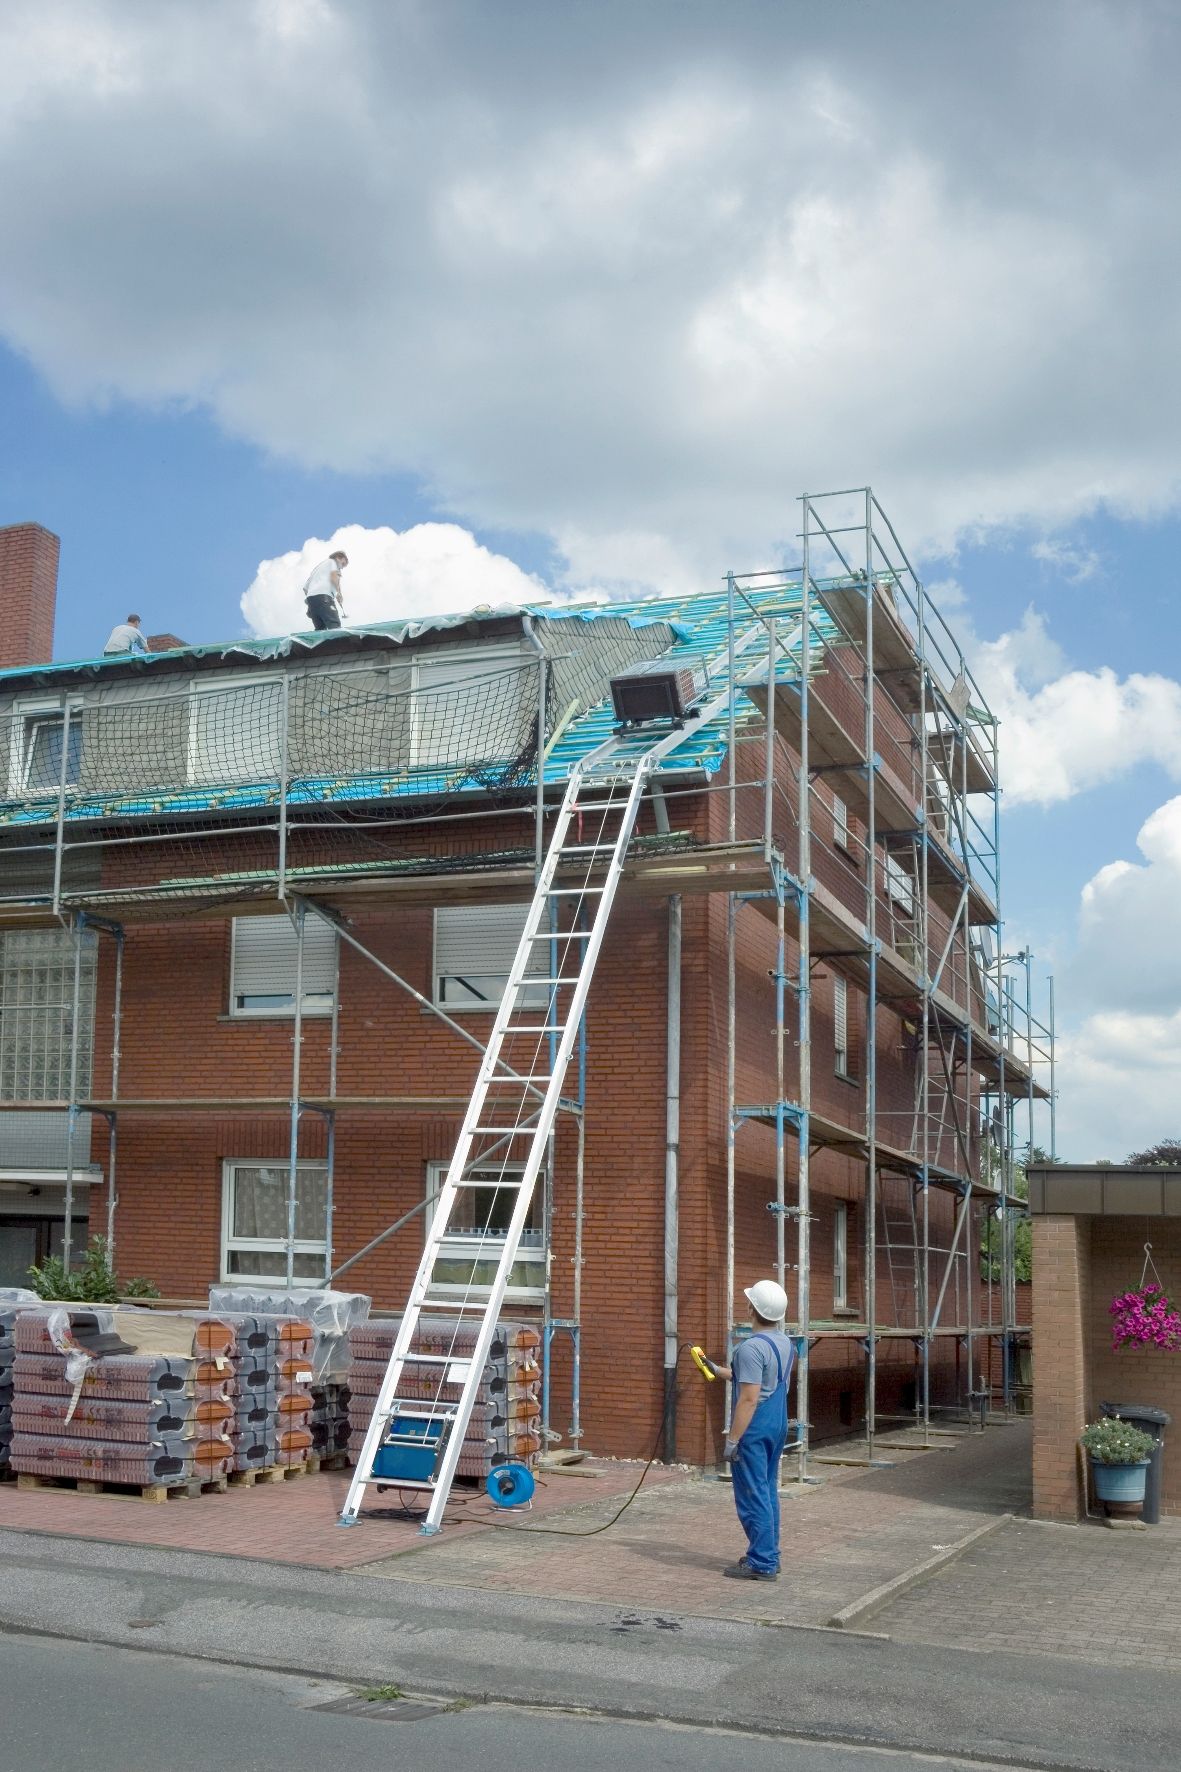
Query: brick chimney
28	594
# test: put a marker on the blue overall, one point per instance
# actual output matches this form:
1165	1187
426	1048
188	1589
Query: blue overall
754	1469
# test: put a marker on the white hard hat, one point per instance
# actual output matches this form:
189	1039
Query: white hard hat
769	1299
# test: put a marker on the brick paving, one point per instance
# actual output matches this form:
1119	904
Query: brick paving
290	1522
1043	1589
854	1529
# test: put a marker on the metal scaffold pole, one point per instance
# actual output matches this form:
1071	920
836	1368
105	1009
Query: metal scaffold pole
803	1192
298	916
113	1117
871	1043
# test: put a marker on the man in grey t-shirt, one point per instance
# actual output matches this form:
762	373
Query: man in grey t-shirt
761	1370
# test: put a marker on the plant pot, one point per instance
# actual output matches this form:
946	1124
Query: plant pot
1119	1482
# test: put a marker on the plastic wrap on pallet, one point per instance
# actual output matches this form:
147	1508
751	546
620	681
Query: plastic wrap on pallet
134	1377
120	1421
331	1314
165	1460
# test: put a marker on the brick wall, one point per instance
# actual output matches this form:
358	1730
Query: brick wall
1061	1329
28	594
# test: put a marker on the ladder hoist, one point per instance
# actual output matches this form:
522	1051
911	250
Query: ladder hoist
414	1444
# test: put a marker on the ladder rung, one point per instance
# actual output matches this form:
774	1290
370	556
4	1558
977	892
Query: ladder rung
400	1483
452	1307
587	849
549	1027
574	891
501	1130
471	1181
559	935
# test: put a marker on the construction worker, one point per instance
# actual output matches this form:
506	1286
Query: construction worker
126	638
755	1439
322	591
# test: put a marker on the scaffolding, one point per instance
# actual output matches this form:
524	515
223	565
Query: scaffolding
851	798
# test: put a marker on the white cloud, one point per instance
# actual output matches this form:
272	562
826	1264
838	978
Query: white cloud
617	274
1120	1057
1118	1076
431	569
1070	562
1062	730
1128	955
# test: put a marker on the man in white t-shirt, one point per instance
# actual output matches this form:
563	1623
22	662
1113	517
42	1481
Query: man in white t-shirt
126	638
322	591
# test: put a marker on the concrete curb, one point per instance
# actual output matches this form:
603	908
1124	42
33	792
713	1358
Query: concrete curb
849	1617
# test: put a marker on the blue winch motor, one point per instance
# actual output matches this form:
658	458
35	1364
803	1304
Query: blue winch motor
412	1449
510	1485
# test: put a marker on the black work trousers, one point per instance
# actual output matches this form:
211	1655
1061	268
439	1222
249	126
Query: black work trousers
323	611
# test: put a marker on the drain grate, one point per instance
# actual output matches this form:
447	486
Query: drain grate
385	1710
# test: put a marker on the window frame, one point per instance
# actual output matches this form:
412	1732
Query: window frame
509	651
271	1012
840	1028
840	1256
214	685
24	716
840	823
463	1246
900	888
265	1245
535	996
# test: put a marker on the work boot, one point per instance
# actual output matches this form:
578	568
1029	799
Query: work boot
742	1571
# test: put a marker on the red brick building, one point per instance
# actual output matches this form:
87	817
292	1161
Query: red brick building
801	1051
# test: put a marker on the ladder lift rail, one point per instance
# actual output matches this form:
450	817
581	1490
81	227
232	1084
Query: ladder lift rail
606	763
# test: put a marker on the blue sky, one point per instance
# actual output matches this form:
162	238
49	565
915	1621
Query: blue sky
587	297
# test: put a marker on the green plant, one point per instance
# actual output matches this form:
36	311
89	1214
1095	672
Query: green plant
1116	1442
380	1694
94	1281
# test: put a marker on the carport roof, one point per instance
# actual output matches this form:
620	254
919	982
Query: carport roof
1103	1190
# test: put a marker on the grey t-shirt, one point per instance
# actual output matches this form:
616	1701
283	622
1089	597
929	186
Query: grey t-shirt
754	1360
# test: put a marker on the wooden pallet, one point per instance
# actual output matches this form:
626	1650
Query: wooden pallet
328	1461
154	1492
267	1473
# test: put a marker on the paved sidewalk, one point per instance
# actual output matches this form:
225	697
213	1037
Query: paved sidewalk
290	1522
852	1531
1040	1589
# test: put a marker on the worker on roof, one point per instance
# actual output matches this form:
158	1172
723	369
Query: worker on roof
322	591
125	638
755	1439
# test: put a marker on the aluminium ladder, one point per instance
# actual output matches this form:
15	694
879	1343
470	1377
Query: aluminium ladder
516	1098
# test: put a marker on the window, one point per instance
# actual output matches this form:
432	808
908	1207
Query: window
263	959
472	1248
840	822
840	1256
37	1012
467	705
899	887
235	731
36	758
840	1019
474	950
254	1221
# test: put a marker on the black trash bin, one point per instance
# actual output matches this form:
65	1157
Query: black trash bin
1151	1421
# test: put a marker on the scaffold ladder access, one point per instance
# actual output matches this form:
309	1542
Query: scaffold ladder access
417	1433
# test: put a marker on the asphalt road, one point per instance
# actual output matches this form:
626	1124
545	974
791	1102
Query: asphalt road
863	1690
75	1704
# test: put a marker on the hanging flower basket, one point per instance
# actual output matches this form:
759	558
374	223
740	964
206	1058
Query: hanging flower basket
1145	1318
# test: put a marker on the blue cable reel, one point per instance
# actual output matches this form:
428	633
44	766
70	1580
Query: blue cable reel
510	1485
